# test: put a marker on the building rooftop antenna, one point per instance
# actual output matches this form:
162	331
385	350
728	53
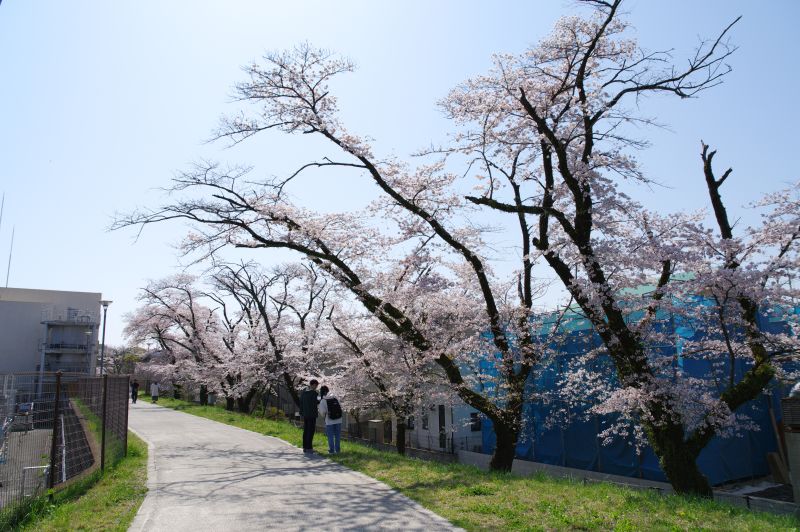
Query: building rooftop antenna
2	208
10	251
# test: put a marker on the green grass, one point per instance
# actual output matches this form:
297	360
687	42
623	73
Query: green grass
98	502
477	500
115	448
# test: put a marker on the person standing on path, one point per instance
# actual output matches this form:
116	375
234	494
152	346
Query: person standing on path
330	408
308	411
154	391
134	391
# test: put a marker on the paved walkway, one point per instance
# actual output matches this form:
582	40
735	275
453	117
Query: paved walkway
205	475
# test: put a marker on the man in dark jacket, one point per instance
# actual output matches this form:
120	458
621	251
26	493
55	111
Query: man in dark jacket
134	391
308	410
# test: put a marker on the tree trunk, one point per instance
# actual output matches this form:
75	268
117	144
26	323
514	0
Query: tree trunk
203	395
230	402
678	460
243	403
254	402
677	455
506	447
684	475
507	425
287	379
401	436
357	416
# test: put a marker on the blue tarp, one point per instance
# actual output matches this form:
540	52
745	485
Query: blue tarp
577	444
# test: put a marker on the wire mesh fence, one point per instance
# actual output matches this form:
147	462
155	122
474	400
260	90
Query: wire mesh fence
57	428
442	446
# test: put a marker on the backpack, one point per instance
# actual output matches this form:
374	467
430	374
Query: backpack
334	408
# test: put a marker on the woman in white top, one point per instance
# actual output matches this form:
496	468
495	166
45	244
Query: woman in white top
330	408
154	391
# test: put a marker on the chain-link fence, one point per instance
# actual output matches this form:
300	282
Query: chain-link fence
57	428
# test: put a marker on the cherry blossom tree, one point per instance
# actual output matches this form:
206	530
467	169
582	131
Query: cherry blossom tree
245	333
187	332
376	370
238	336
201	338
550	127
283	309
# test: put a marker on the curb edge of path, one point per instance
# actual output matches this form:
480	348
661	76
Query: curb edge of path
146	510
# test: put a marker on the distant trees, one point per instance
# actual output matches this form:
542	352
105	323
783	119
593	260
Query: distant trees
546	137
283	309
122	360
379	371
189	334
238	334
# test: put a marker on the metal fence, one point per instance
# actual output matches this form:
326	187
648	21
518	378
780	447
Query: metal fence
443	447
444	441
429	445
57	428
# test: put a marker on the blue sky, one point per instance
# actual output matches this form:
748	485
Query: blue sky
101	102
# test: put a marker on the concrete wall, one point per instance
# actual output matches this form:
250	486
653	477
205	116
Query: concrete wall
20	333
525	468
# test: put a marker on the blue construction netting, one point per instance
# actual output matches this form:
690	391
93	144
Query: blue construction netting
576	444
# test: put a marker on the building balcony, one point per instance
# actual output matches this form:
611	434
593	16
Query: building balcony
81	321
81	368
66	347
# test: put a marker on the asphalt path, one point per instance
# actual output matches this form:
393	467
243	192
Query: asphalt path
204	475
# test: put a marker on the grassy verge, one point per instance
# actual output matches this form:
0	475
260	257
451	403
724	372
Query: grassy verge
478	500
115	448
107	502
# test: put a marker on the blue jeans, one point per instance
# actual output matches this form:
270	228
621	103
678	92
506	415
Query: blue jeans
334	433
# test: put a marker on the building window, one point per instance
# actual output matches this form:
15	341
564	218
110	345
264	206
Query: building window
410	422
475	422
425	421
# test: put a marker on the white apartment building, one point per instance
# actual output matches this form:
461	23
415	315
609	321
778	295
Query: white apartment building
445	428
48	330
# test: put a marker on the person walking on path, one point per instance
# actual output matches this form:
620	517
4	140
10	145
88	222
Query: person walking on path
154	392
330	408
134	391
308	411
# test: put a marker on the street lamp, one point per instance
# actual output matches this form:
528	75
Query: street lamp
105	304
